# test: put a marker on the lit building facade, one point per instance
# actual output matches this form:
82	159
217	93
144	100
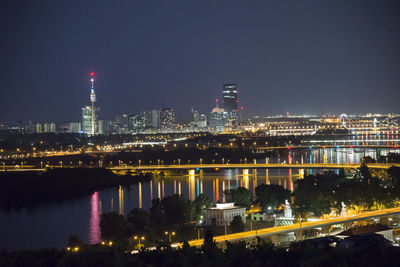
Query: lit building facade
155	118
167	118
223	214
135	123
199	121
230	101
38	128
75	127
87	119
218	119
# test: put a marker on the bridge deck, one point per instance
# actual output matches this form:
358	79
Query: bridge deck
255	166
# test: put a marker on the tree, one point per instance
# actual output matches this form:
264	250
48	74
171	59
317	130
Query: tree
271	196
240	196
393	158
237	224
210	246
157	217
312	195
367	159
394	173
137	219
199	205
113	226
74	241
176	209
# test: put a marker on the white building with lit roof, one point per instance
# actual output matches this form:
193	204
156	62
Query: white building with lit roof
223	214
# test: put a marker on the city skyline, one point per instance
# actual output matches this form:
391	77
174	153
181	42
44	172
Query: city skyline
312	57
171	133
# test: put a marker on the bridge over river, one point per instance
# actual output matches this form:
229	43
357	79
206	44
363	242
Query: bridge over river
253	166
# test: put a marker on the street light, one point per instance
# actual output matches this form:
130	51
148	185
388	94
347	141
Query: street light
169	234
139	238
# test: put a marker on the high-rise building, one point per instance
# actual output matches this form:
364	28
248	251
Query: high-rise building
101	126
87	119
146	117
218	119
230	100
198	120
75	127
121	123
46	127
136	123
155	118
39	128
151	118
167	118
52	127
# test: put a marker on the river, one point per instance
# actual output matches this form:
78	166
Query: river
50	225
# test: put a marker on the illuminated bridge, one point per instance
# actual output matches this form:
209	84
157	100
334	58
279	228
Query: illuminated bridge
297	226
253	166
195	167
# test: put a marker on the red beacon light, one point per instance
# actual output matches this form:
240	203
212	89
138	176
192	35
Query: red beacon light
92	74
288	147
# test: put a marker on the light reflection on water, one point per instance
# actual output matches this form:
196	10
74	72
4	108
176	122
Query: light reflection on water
51	225
94	224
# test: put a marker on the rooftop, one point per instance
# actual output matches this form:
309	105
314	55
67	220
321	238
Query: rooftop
367	229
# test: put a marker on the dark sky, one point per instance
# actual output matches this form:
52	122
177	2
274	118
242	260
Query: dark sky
298	56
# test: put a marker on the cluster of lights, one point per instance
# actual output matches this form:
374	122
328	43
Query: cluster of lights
73	249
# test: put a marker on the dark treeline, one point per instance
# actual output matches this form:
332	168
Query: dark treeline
29	189
365	250
171	214
321	194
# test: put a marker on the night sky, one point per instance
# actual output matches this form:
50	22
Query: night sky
298	56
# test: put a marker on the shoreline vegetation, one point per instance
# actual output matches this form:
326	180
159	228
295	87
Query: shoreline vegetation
31	189
362	250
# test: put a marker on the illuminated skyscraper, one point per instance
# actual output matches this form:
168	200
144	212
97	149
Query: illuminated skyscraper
167	117
87	119
155	118
230	100
135	123
218	119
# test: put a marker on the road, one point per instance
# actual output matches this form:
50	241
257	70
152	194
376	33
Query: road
296	227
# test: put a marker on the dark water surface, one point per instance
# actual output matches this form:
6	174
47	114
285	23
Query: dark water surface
50	225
